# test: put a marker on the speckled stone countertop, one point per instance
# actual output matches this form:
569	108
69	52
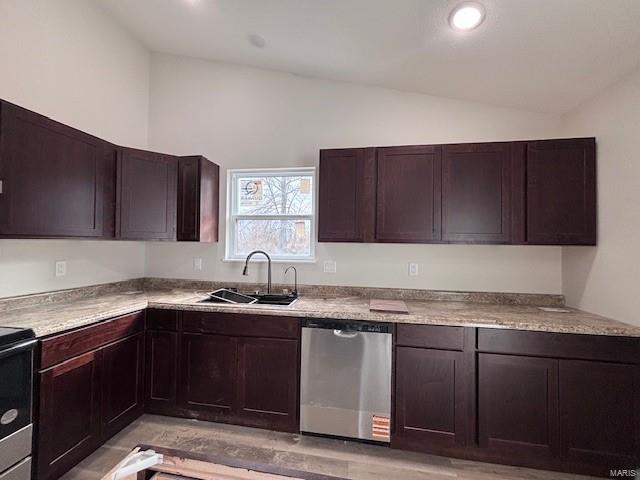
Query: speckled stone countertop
54	317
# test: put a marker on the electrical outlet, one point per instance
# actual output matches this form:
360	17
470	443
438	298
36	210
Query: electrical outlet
197	264
413	269
329	266
61	268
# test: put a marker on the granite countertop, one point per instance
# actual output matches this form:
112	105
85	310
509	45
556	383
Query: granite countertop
52	318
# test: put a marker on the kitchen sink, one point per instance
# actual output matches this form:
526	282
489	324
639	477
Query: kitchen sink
271	299
261	299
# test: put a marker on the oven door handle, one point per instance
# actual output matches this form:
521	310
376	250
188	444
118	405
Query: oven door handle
19	348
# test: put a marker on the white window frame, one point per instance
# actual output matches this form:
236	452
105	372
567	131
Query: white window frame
232	208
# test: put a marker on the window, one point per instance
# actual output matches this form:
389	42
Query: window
271	210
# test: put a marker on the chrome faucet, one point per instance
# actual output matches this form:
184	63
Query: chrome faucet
295	279
245	271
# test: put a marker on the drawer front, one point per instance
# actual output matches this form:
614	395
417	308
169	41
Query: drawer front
15	447
67	345
243	325
430	336
21	471
560	345
158	319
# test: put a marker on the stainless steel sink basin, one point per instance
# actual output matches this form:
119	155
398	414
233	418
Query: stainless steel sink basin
271	299
262	299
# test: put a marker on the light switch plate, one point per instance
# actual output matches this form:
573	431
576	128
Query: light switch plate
61	268
413	270
329	266
197	264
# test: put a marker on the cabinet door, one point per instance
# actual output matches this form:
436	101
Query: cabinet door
56	181
518	407
346	198
430	399
268	383
600	412
161	370
69	423
147	189
208	373
476	198
561	192
198	196
408	207
122	384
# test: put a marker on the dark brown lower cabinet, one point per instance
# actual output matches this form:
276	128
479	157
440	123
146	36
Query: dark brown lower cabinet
429	399
600	415
230	368
87	396
267	382
208	374
544	400
247	381
518	407
122	383
161	375
69	420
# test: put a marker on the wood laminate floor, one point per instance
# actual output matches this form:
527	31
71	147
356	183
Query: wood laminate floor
350	460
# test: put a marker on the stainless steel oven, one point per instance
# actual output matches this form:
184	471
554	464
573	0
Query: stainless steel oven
16	391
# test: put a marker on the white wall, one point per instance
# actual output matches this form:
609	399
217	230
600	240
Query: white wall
242	117
606	279
70	60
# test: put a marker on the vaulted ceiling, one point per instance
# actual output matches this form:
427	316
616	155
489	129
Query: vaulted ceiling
544	55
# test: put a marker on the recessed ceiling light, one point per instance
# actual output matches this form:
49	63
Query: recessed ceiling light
256	40
467	16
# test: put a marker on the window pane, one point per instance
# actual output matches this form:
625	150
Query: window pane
276	237
268	195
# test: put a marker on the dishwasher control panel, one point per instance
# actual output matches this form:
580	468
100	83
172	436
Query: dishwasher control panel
348	325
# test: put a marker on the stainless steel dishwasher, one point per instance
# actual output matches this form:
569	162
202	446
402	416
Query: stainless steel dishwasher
345	380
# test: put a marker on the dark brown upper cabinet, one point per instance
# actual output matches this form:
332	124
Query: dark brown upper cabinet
529	192
198	197
346	197
476	193
561	192
56	181
408	194
147	195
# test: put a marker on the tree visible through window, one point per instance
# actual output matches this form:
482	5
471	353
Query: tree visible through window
272	210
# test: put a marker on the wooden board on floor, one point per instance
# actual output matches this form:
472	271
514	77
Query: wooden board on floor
167	476
179	465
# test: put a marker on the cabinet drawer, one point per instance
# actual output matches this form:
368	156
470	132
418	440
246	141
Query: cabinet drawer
560	345
239	324
430	336
67	345
159	319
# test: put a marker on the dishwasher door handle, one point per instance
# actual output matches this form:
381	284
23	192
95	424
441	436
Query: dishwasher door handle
345	334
